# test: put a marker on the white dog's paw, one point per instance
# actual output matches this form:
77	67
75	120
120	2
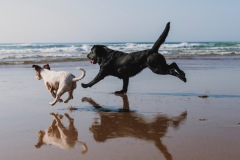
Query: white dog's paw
51	103
66	101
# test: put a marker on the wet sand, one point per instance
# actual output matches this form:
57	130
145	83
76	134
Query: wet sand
160	118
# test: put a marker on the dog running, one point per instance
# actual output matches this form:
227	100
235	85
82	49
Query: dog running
126	65
58	83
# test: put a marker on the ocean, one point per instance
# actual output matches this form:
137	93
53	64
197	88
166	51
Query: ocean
27	53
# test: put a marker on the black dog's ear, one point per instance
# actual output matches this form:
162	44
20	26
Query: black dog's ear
47	67
102	50
36	67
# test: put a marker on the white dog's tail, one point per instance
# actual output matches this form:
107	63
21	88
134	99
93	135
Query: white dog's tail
81	77
84	146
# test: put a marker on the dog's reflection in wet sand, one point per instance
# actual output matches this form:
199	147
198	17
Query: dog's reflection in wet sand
131	124
58	135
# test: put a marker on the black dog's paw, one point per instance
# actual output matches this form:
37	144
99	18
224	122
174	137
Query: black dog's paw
183	77
120	92
178	73
84	85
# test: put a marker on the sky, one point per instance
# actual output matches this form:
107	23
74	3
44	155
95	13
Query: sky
60	21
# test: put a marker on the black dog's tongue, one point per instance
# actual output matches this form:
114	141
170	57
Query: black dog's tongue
91	61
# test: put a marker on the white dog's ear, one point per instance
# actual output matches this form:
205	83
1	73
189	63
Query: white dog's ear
36	67
47	67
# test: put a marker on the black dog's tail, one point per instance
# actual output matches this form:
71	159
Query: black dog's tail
161	39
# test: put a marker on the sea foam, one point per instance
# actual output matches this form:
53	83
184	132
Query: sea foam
22	52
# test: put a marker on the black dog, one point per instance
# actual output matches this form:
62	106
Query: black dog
126	65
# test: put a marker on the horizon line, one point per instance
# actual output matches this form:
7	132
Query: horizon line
118	42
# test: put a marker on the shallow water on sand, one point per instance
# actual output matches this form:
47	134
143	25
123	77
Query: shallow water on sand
160	117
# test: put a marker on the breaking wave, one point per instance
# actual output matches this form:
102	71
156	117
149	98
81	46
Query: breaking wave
13	53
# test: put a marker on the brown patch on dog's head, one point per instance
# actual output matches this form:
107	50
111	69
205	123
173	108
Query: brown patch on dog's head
36	67
38	70
98	52
46	66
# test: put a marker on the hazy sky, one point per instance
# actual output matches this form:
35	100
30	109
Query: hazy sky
27	21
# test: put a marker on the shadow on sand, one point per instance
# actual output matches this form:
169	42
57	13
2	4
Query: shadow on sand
60	136
132	124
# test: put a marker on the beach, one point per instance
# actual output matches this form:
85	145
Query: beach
160	117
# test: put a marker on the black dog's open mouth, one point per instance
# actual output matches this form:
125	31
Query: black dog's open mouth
92	61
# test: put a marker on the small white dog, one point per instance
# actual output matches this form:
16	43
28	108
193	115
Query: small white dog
58	83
